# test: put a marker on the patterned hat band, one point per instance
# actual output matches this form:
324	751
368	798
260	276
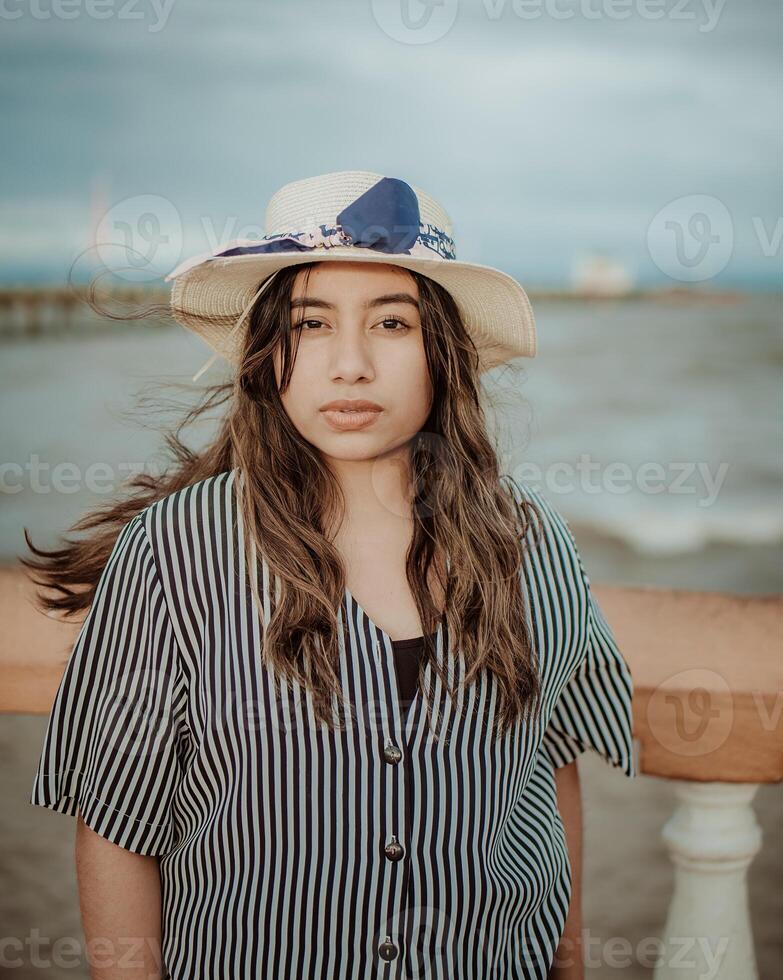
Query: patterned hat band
426	240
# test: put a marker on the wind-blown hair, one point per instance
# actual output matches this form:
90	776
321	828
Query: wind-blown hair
469	530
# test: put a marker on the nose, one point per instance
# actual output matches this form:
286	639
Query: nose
350	356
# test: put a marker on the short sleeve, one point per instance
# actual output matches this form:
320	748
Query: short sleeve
593	694
111	746
594	707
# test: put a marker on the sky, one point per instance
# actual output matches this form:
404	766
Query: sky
647	131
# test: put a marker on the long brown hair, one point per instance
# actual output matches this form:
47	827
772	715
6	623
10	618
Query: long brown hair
464	520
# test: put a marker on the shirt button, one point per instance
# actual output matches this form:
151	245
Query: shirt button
394	850
391	753
387	950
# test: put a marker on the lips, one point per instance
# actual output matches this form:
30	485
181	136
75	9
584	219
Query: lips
351	405
348	414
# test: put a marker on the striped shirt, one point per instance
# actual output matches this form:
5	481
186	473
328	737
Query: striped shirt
289	850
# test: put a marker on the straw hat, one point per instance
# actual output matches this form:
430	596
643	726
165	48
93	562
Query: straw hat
349	216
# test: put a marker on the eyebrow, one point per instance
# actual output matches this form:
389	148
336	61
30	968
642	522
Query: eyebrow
304	301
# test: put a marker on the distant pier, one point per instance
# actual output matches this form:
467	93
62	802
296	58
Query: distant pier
40	311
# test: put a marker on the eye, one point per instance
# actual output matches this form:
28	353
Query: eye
305	324
393	319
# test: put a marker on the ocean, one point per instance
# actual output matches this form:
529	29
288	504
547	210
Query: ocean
656	428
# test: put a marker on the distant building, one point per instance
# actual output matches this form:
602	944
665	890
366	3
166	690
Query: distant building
601	275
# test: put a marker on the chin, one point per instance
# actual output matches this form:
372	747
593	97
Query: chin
356	448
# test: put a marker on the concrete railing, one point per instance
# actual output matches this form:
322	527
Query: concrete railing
708	694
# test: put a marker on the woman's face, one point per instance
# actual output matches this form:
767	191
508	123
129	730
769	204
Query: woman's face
361	338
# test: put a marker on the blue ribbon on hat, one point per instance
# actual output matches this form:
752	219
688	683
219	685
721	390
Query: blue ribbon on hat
385	218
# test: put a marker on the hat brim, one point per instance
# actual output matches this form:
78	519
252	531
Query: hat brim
208	298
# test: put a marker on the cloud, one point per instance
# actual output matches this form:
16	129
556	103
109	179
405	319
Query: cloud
540	131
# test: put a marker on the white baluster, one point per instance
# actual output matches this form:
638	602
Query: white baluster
712	837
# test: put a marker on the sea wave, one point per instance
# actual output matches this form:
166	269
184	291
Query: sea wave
667	534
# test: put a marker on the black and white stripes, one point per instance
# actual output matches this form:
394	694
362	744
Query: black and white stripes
291	851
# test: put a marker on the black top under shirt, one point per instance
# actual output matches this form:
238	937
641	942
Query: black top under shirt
407	657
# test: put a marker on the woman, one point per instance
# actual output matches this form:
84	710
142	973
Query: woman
291	794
